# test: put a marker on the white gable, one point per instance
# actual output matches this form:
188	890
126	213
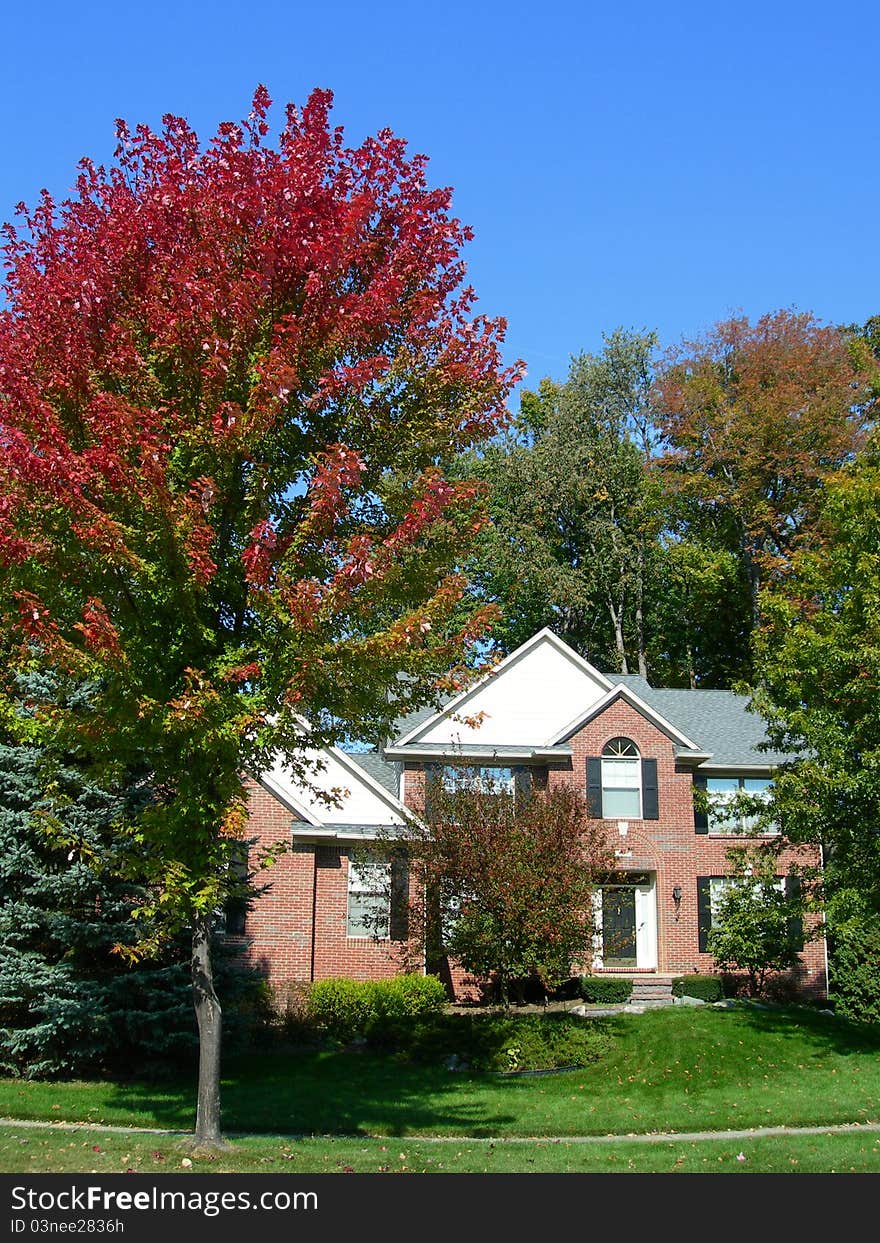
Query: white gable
357	798
526	701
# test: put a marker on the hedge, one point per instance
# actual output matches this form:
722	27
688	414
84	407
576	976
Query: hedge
600	990
703	987
346	1008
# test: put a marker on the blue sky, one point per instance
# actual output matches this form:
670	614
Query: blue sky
645	164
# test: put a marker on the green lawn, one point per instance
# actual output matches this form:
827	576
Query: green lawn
50	1150
676	1069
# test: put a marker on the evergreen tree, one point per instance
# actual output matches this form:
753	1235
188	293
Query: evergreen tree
68	1002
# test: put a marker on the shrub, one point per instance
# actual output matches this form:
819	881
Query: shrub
341	1007
408	996
346	1008
599	990
855	973
705	987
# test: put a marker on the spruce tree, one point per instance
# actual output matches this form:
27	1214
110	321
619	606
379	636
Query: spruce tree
69	1002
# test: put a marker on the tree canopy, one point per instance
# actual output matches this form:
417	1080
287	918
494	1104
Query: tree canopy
818	664
231	379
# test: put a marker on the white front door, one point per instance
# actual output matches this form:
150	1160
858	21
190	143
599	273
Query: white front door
625	926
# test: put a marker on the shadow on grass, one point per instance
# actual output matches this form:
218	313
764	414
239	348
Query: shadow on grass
324	1093
822	1033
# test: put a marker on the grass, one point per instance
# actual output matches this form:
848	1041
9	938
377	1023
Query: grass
675	1069
51	1150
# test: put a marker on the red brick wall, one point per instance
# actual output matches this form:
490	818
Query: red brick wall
296	931
670	848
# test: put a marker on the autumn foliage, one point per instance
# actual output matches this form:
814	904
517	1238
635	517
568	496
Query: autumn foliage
505	882
231	379
754	417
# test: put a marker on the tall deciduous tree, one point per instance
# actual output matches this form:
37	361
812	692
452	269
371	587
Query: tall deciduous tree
230	379
575	517
818	668
755	417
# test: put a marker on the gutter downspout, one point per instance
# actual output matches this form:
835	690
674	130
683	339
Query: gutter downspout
825	926
315	849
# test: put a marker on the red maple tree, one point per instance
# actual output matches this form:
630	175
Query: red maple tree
231	377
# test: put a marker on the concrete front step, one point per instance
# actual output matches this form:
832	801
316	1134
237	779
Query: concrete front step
651	990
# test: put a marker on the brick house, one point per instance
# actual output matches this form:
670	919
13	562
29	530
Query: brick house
544	716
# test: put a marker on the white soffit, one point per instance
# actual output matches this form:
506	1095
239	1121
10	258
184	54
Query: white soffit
358	799
525	701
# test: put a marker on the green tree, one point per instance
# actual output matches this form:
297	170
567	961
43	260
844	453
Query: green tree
853	955
68	1003
699	620
754	920
818	669
575	516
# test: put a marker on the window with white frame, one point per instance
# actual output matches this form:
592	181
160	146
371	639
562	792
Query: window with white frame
621	780
724	816
482	780
719	884
369	897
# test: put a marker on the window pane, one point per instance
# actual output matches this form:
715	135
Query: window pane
717	886
756	785
367	915
621	774
369	896
469	777
721	790
621	746
621	804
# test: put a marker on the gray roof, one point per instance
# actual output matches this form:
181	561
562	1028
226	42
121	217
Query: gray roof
717	721
378	768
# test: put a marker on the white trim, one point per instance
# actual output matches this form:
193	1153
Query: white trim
283	795
543	636
459	751
645	900
646	925
634	701
736	770
348	759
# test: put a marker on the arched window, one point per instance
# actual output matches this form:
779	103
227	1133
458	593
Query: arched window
621	780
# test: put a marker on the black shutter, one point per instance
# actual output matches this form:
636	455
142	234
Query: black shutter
594	788
795	924
236	909
704	912
650	795
432	782
399	922
522	782
701	818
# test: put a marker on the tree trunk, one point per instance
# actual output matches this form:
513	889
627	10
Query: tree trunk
619	644
640	614
210	1022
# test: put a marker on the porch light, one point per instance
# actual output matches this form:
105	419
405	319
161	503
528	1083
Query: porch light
676	894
